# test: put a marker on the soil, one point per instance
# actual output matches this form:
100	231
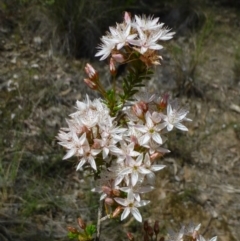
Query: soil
201	181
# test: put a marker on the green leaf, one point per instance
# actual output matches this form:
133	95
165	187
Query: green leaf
90	229
72	235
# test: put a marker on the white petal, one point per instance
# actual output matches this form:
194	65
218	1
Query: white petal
134	178
181	127
143	203
69	154
118	179
136	214
213	239
144	139
122	201
156	137
105	152
125	213
81	163
92	163
157	167
144	170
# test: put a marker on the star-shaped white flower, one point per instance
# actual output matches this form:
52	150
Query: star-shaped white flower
175	116
130	205
146	41
76	145
135	169
105	48
150	130
121	35
147	23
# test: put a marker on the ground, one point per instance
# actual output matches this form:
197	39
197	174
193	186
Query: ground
41	194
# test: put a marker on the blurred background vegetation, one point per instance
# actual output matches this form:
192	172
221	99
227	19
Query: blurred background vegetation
45	44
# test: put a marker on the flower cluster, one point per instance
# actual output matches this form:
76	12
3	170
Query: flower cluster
128	152
120	138
140	33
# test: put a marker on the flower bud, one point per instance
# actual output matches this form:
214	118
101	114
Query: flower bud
163	102
127	17
135	140
109	201
106	190
112	67
116	212
140	108
81	224
91	72
119	58
90	84
155	155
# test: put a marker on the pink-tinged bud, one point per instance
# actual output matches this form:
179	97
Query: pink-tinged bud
90	84
135	140
96	144
81	224
130	237
118	58
164	101
140	109
112	67
116	212
106	190
91	72
116	192
127	17
155	156
156	228
109	201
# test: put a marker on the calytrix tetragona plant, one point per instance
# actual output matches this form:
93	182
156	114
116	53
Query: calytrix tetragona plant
119	137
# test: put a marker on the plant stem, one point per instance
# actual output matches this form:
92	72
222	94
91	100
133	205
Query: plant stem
100	207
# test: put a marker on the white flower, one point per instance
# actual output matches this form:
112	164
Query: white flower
175	116
75	145
105	48
121	35
135	169
147	23
146	41
131	206
89	157
126	152
150	130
